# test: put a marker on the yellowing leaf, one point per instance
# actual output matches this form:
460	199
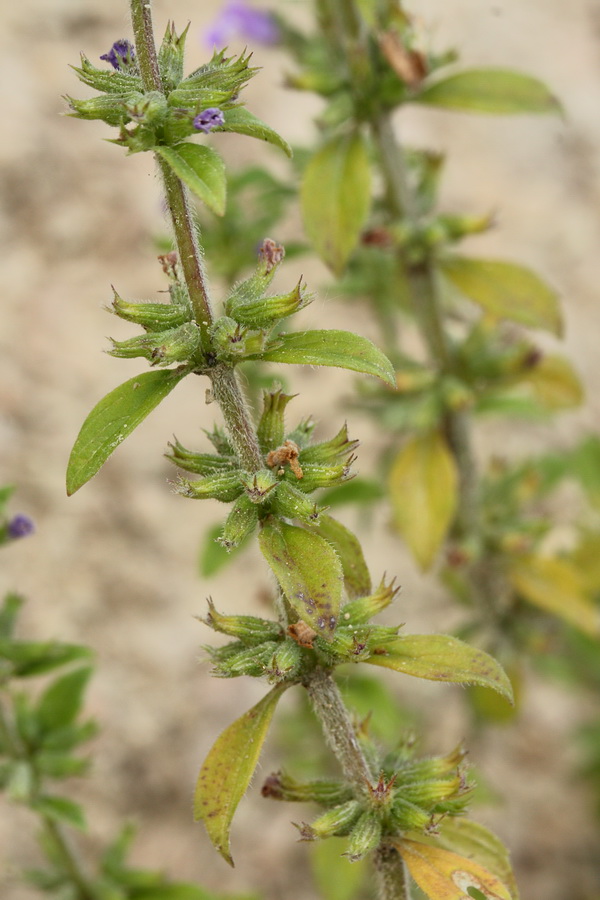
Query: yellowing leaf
555	383
423	493
309	572
470	839
557	587
439	657
505	290
496	91
335	198
228	769
444	875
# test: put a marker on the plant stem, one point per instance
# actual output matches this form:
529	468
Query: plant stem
176	192
228	394
392	881
338	729
426	302
69	860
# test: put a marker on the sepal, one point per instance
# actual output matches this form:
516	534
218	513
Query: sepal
170	56
315	477
239	524
265	312
252	661
161	348
151	316
224	486
339	447
212	84
199	463
270	257
281	786
365	836
248	629
109	108
259	485
285	663
106	81
361	610
336	821
271	427
290	503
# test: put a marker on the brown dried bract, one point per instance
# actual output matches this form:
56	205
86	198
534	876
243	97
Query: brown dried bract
272	787
168	262
286	454
302	633
410	65
271	253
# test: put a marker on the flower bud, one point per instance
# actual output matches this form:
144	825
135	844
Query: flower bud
239	524
336	821
290	503
338	448
270	257
281	786
285	662
121	56
365	836
200	463
163	347
224	486
348	644
271	428
231	341
259	485
264	312
248	629
364	608
152	316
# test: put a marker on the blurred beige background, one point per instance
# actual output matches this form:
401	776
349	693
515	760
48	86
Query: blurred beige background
115	566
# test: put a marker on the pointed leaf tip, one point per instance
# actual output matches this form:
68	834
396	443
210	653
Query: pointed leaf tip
228	770
343	349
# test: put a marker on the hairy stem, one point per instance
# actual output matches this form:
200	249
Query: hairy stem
392	880
338	729
426	302
228	394
69	860
176	192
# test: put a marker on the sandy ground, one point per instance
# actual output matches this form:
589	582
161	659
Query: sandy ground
115	565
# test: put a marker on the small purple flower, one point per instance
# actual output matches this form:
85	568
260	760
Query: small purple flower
121	55
209	119
20	526
237	19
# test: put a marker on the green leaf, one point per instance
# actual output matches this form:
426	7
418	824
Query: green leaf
201	169
472	840
59	809
557	587
113	419
30	658
330	348
423	489
497	91
336	197
506	291
242	121
335	876
357	579
213	556
309	572
443	875
61	702
9	611
439	657
228	769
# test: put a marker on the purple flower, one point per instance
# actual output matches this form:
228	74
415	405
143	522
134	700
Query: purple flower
20	526
209	119
237	19
121	55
